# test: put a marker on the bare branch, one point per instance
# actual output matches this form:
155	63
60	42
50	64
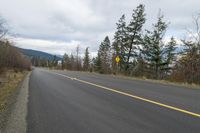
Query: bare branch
3	28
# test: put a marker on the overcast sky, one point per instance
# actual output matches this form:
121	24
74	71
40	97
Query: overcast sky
58	26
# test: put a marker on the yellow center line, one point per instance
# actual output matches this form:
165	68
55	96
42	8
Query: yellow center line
134	96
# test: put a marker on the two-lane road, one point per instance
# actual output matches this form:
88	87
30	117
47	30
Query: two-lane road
73	102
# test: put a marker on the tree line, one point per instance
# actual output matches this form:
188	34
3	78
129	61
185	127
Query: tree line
75	62
10	57
39	61
143	52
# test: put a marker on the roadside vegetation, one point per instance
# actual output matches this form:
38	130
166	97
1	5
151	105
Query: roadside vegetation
143	52
13	66
10	57
9	82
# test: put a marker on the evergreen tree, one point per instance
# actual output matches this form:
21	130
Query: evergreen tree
54	61
66	62
170	54
119	43
140	66
153	49
134	34
97	63
104	54
86	60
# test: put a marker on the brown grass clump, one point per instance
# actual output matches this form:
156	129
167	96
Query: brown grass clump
9	82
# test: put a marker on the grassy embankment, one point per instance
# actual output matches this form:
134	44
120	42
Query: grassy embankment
9	82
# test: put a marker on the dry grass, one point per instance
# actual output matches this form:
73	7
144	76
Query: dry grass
181	84
9	82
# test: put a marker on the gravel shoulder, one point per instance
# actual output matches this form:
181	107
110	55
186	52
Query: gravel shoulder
16	114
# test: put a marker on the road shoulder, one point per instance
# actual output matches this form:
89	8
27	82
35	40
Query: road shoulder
16	122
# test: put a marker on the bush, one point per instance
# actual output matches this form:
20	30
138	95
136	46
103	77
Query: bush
10	57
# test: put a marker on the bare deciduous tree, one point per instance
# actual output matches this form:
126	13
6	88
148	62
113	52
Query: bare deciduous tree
3	28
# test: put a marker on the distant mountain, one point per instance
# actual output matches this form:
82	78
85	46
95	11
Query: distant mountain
34	53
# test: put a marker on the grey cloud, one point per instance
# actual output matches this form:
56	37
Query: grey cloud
89	21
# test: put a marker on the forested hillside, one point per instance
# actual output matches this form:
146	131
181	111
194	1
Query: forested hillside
34	53
40	59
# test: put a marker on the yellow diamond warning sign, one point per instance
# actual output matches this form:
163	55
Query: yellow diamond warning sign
117	59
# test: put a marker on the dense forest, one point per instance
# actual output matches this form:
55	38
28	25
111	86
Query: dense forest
143	52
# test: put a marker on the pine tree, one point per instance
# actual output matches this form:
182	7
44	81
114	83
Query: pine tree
66	62
104	54
54	61
170	55
134	34
86	60
97	63
153	48
119	43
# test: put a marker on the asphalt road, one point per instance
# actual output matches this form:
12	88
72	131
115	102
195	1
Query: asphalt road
78	103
